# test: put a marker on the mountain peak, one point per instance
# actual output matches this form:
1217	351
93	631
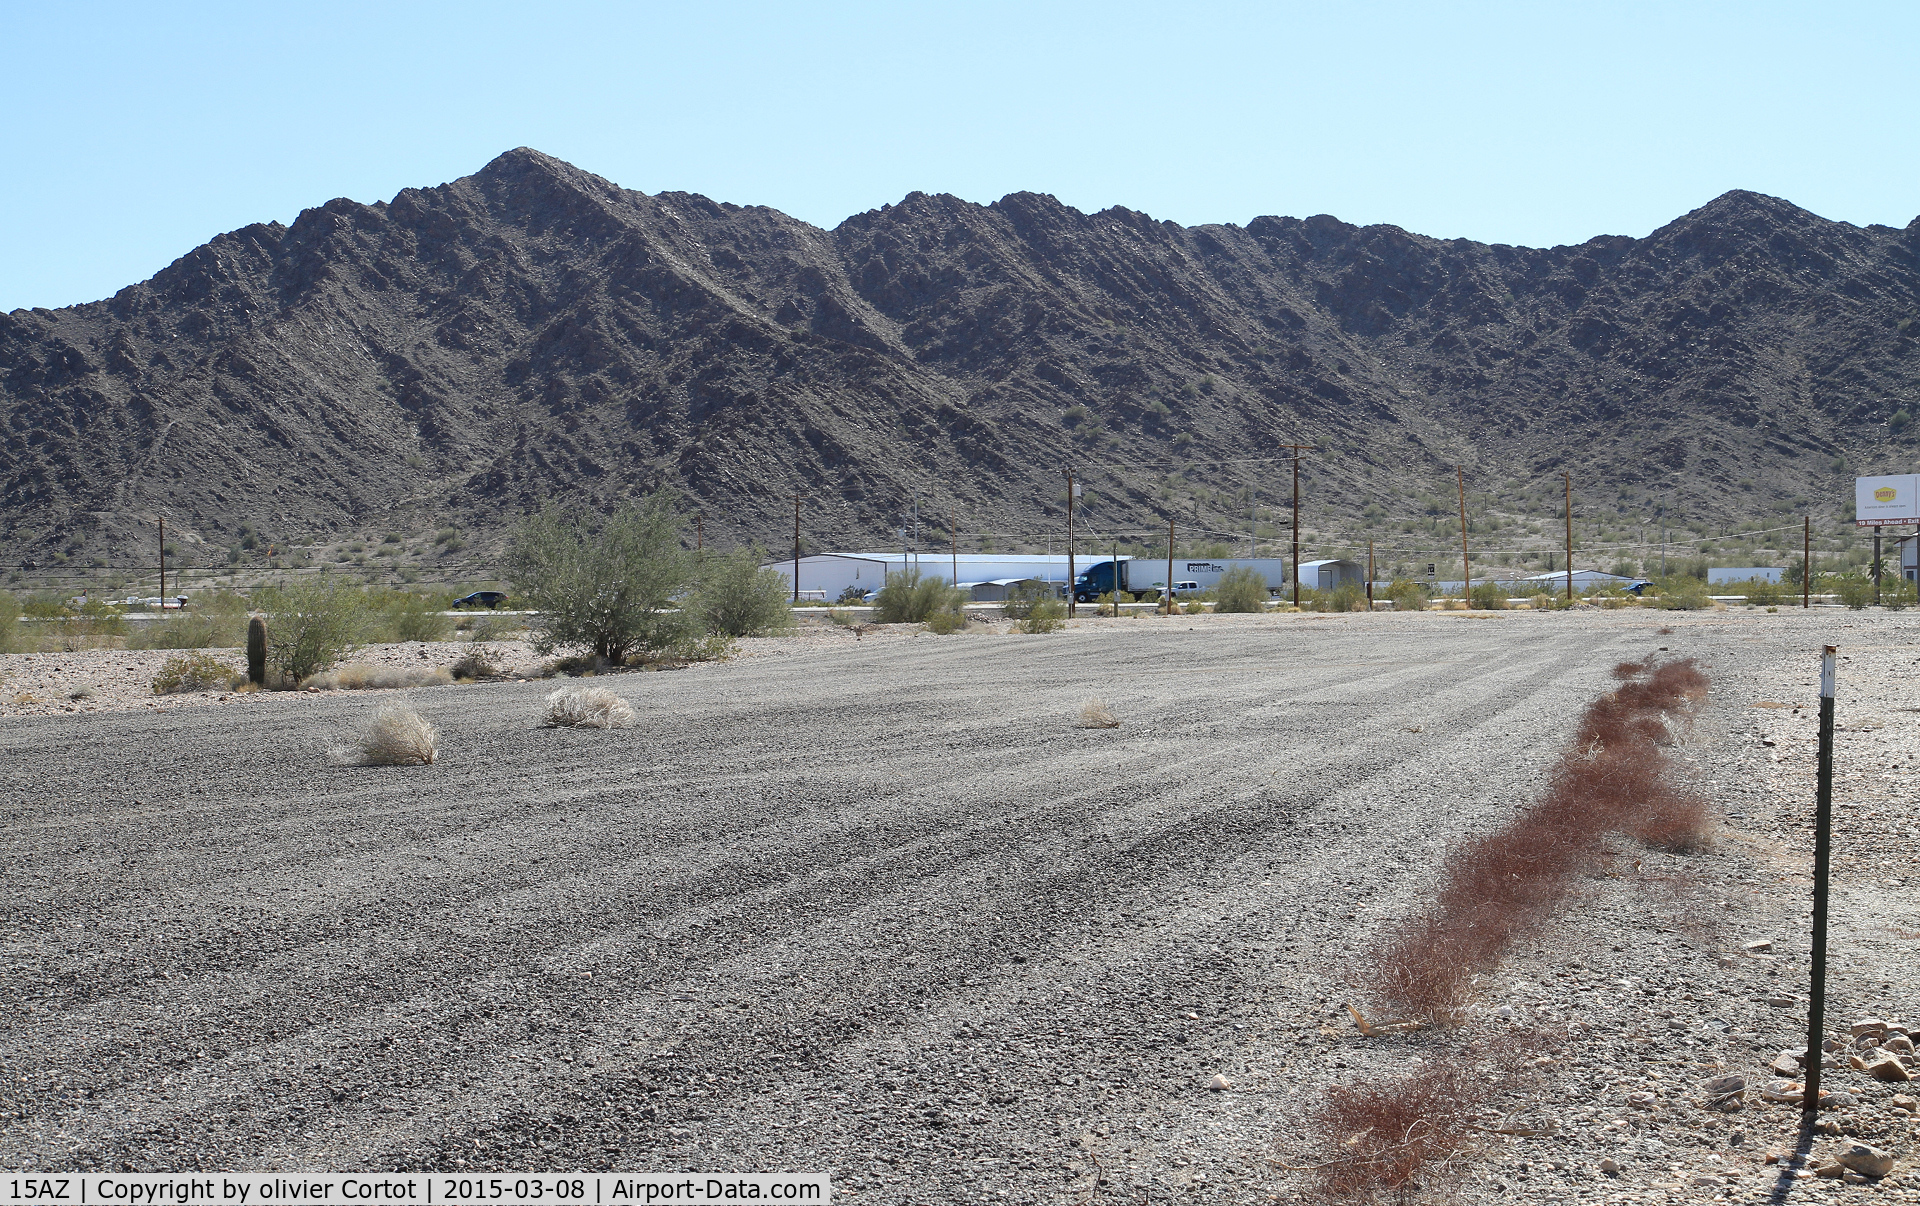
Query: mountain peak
522	160
1744	208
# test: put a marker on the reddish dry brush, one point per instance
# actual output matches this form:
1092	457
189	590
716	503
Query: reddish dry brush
1387	1135
1616	778
1391	1139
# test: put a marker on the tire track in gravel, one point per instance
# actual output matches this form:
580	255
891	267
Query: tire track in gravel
382	992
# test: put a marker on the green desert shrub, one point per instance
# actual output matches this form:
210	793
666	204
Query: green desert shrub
10	641
312	624
1241	589
946	623
614	585
215	619
405	616
1855	590
1408	594
909	598
94	625
193	672
1488	596
1346	597
1043	616
1682	593
737	598
1020	599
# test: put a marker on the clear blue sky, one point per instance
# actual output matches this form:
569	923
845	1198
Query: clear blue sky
135	132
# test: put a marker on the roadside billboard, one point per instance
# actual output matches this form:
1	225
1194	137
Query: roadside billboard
1882	501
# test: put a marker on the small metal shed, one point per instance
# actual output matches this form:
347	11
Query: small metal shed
1332	573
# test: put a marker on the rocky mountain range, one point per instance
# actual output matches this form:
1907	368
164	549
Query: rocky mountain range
465	353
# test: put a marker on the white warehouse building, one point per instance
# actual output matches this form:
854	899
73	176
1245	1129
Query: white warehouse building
987	577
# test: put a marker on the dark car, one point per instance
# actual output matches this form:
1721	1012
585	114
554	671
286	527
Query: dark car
482	598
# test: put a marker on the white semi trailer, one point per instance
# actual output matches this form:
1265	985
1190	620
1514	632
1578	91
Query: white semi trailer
1138	575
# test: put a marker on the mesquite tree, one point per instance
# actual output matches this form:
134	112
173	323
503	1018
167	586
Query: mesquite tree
617	585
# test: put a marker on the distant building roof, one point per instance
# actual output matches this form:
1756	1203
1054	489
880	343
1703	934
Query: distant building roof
1579	576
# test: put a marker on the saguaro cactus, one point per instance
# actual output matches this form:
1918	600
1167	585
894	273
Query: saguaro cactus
257	651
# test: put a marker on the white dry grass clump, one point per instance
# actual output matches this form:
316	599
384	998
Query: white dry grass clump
584	707
363	677
396	736
1095	714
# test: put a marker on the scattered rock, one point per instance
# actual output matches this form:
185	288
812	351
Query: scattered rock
1869	1026
1610	1166
1868	1161
1219	1083
1785	1064
1903	1102
1707	1180
1833	1171
1899	1044
1837	1101
1780	1000
1759	944
1640	1101
1889	1069
1782	1090
1724	1092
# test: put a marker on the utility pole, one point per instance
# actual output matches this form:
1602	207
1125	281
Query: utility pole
953	546
1663	542
1253	522
1072	490
1466	567
1876	567
1568	479
1168	593
1297	450
163	563
699	533
1806	562
1369	575
796	548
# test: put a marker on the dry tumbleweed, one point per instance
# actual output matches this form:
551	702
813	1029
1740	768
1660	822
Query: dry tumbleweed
1094	714
396	736
588	708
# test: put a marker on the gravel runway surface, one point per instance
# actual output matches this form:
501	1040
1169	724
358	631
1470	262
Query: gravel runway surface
872	907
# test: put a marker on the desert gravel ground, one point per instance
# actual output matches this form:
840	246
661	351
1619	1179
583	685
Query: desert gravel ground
878	907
